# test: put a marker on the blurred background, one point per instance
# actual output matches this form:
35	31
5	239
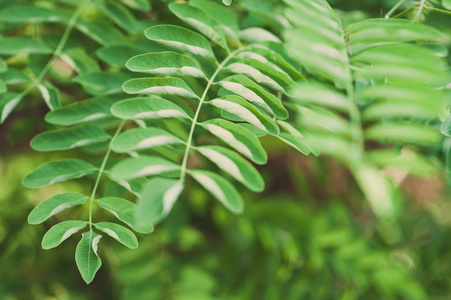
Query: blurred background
309	235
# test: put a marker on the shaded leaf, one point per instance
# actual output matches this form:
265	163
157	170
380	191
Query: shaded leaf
57	171
142	166
220	188
124	211
54	205
81	111
159	86
30	14
158	197
8	101
69	138
165	63
238	138
236	166
102	83
252	92
86	257
147	108
18	45
60	232
180	38
143	138
119	233
201	21
247	112
50	94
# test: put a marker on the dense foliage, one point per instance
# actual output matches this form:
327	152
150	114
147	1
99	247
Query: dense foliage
280	149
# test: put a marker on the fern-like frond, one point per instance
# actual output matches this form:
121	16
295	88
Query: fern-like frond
378	80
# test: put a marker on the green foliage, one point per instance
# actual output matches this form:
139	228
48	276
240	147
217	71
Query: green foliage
162	101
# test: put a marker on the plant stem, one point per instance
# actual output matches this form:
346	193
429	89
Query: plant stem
402	14
394	8
437	10
101	169
196	115
58	50
420	10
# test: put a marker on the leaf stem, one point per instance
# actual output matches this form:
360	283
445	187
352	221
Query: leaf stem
394	8
196	115
101	169
437	10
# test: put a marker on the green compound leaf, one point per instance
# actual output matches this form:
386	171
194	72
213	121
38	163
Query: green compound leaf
181	39
220	188
60	232
158	197
236	166
50	94
159	86
119	233
239	107
86	257
255	94
201	21
143	138
102	83
83	111
19	45
57	171
69	138
147	108
142	166
30	14
54	205
124	211
165	63
239	138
